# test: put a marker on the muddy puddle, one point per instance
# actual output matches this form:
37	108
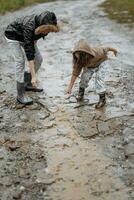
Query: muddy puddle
58	149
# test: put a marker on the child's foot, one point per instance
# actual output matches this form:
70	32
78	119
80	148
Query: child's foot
28	84
80	96
29	88
102	101
100	104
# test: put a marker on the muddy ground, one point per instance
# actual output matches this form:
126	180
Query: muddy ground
58	149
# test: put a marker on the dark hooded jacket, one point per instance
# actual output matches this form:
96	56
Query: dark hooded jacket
23	30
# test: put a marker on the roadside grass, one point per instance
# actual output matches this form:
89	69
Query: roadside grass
120	10
11	5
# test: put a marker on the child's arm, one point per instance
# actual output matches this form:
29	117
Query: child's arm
75	74
45	29
32	70
113	50
71	84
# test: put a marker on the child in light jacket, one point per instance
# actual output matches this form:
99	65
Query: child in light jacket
88	60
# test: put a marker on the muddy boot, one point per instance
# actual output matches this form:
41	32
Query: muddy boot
102	101
80	96
28	84
21	98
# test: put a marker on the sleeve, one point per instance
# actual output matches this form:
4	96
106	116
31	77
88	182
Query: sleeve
45	29
105	50
29	41
102	54
76	71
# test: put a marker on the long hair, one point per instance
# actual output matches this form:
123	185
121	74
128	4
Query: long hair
81	59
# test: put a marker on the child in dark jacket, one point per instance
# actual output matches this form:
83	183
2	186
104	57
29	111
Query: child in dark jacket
22	36
89	59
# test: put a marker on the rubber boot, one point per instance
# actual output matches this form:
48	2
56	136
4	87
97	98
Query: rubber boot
21	98
80	96
102	101
28	84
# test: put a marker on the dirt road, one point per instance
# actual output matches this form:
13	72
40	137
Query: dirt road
58	149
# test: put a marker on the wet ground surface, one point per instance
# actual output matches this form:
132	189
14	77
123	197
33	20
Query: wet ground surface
58	149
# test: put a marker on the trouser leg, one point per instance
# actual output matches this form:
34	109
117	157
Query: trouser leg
21	98
19	59
100	89
27	76
99	85
85	78
38	59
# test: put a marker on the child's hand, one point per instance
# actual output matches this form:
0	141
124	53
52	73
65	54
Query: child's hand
115	52
34	82
56	28
69	91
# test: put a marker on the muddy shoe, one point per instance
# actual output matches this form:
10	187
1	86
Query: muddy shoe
102	101
33	89
21	98
80	96
28	84
25	100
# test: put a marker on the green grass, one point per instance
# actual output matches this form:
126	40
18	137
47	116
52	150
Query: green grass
120	10
11	5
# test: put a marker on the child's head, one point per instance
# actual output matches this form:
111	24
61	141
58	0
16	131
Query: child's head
46	22
81	58
82	54
46	18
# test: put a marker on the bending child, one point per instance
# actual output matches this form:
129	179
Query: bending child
88	60
22	36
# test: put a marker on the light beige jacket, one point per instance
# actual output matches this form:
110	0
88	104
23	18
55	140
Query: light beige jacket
99	55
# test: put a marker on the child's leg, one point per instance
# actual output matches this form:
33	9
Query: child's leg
100	89
85	78
38	58
19	59
27	75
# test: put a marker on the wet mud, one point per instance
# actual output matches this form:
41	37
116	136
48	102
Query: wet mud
56	148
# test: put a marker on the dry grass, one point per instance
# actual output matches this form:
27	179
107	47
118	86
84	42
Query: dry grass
120	10
11	5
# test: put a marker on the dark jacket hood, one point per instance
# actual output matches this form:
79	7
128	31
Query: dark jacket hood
46	18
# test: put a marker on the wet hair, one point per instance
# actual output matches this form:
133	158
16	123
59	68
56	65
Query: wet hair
46	18
81	59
